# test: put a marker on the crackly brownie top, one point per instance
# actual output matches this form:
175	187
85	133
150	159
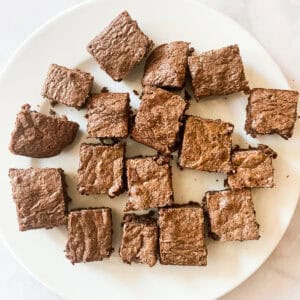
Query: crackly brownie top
252	168
68	86
158	119
271	111
40	197
231	215
206	145
101	169
120	46
89	235
108	115
217	72
181	239
39	135
166	65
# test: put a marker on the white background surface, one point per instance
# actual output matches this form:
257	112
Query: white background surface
276	24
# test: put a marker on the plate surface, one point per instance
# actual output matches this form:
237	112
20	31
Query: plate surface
63	41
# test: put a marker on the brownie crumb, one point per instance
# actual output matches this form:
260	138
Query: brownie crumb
52	112
136	92
191	51
287	176
217	180
187	96
104	90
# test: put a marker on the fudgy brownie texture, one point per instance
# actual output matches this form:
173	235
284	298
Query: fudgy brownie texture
40	196
120	46
252	168
206	145
158	119
181	236
67	86
101	169
140	239
89	235
108	115
166	66
39	135
149	182
231	215
271	111
218	72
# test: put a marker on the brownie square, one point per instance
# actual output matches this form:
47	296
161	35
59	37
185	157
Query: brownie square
89	235
166	66
206	145
181	236
39	135
271	111
108	115
101	169
252	168
231	215
67	86
120	46
218	72
159	119
40	196
140	239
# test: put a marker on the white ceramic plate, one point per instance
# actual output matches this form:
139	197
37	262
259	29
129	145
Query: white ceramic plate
63	41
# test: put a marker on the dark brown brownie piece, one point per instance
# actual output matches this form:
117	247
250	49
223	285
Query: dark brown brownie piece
166	66
108	115
89	235
101	169
140	239
218	72
158	119
40	196
206	145
39	135
271	111
181	236
231	215
149	182
252	168
120	46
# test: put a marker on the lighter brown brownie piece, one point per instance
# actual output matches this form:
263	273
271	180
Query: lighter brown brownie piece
206	145
231	215
40	196
89	235
120	46
67	86
218	72
108	115
101	169
159	119
39	135
166	66
181	236
149	183
271	111
139	240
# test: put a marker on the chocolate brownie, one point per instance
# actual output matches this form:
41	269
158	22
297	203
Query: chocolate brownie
166	66
231	215
218	72
181	236
39	135
158	119
120	46
40	196
108	115
206	145
149	183
252	168
140	239
101	169
89	235
67	86
271	111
